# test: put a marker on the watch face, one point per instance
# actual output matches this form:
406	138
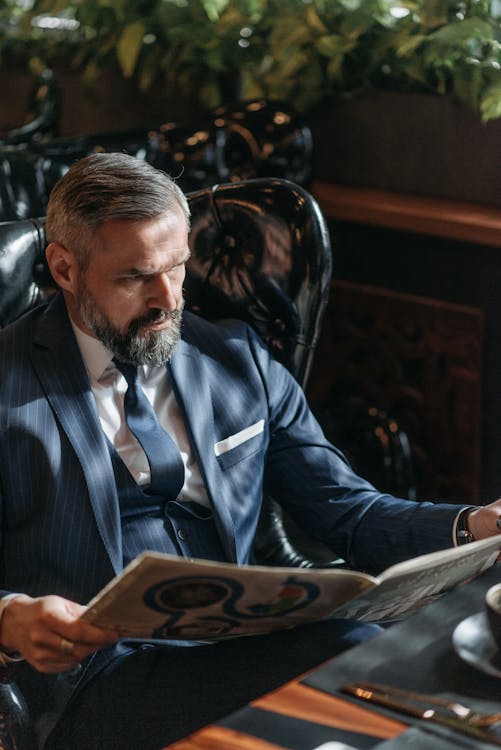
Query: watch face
464	537
463	534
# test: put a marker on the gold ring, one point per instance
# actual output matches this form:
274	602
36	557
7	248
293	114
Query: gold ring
66	646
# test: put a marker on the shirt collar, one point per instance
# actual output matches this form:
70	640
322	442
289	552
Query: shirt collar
98	360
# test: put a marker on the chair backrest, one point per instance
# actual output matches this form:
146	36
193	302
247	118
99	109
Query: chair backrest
260	252
42	114
248	140
23	184
241	141
24	279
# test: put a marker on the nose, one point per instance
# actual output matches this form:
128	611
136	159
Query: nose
164	293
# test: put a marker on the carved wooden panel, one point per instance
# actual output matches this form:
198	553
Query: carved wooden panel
419	360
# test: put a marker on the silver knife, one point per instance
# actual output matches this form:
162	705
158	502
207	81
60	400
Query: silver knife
378	695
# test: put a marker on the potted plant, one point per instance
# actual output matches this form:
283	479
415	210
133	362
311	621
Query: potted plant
343	63
302	50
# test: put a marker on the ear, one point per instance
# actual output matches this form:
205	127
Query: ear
63	266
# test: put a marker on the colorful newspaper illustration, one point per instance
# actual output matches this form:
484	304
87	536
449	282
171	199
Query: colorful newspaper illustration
160	596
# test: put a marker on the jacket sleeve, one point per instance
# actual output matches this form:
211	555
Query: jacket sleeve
313	480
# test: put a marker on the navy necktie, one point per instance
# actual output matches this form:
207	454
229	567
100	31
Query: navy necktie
164	458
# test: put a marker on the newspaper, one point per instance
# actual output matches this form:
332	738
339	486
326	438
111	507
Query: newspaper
159	596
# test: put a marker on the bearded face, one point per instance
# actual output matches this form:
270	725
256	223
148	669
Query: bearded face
137	344
129	292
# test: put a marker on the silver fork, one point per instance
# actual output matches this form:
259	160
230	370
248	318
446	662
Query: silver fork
458	709
421	708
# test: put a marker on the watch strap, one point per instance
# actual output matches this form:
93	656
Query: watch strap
463	533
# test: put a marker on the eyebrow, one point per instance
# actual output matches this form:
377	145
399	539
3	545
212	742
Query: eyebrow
134	271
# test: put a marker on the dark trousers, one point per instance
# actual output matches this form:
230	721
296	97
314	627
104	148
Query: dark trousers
159	694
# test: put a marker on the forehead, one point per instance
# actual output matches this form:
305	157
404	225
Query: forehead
142	240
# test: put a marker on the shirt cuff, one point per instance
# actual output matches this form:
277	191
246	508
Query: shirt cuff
7	658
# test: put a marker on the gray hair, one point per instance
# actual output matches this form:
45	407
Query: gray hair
104	187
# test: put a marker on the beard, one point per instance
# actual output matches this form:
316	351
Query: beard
134	346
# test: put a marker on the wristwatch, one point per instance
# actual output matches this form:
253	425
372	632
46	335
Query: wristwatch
463	533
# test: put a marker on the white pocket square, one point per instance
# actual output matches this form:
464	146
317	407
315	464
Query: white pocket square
238	438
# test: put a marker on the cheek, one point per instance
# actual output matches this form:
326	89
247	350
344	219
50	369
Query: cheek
121	308
180	295
180	289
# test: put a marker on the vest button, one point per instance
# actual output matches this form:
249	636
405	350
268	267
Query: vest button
182	534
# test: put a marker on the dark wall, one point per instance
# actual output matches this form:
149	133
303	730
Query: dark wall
424	314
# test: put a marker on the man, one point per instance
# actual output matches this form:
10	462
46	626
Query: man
81	498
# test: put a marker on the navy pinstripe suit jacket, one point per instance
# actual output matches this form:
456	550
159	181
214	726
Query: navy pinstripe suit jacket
251	430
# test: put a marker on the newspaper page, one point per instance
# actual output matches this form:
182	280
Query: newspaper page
162	596
408	586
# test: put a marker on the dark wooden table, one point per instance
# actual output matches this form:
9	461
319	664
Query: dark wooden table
300	702
416	653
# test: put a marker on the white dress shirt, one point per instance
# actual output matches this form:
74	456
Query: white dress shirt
109	386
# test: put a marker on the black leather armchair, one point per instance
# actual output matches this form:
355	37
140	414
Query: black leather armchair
261	253
247	140
43	112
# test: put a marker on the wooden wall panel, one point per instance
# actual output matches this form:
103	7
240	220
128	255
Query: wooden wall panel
419	360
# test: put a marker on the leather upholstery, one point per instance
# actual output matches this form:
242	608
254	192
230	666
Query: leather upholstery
261	253
247	140
23	184
43	112
24	280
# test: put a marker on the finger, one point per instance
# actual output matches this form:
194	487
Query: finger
90	636
72	652
69	649
57	654
54	651
64	618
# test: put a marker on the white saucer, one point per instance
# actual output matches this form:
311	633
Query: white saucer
473	642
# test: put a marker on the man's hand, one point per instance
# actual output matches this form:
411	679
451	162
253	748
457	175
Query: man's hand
46	631
482	522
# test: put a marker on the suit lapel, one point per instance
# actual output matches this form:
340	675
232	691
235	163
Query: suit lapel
57	361
194	399
68	391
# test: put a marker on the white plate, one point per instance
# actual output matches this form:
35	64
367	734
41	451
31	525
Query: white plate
473	642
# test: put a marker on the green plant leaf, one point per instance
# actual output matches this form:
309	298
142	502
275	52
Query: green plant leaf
304	50
333	45
129	47
214	8
462	31
434	12
466	86
490	103
314	21
408	45
50	6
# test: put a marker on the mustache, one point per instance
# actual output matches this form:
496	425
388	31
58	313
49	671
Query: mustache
155	316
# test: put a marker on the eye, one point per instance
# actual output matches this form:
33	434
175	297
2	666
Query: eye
130	277
130	280
175	271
